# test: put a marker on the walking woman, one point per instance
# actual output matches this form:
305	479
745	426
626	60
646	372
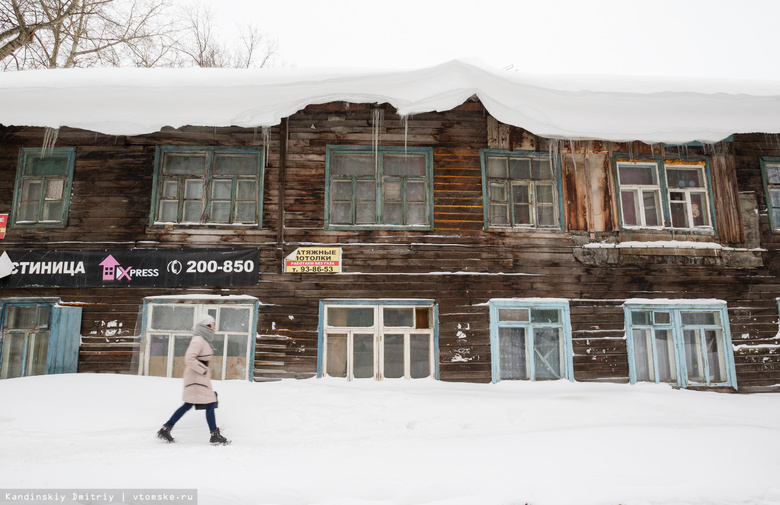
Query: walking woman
197	382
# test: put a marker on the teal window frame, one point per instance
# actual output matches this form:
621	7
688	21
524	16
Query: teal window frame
378	305
380	182
661	165
676	328
770	186
203	305
209	178
557	205
64	335
531	304
27	157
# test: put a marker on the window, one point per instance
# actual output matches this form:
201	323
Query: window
770	172
530	339
521	190
390	187
168	325
685	343
43	187
665	194
377	340
39	336
208	186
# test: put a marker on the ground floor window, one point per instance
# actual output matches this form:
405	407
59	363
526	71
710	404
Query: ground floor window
377	339
682	343
39	336
168	325
530	339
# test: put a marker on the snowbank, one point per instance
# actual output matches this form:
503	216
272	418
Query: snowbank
397	442
127	101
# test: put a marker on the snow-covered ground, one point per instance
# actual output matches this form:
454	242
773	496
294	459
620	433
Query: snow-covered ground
331	442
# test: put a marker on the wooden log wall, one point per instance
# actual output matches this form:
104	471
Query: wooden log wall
458	264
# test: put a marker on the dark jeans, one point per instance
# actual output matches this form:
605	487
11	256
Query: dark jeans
211	418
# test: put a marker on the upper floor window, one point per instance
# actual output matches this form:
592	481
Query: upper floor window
665	194
386	187
684	343
530	339
208	186
521	190
770	172
168	326
43	187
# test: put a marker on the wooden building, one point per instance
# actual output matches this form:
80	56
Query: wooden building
348	240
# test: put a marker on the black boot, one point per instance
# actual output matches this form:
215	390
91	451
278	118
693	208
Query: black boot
218	439
165	434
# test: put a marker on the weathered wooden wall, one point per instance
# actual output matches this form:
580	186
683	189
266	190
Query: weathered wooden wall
458	264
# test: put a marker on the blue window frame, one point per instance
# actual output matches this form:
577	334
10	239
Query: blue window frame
530	339
217	186
521	190
379	188
39	336
43	187
378	339
658	193
167	330
685	343
770	174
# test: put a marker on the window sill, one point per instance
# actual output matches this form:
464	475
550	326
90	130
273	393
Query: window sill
669	251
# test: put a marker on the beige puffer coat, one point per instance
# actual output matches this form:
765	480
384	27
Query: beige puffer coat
197	375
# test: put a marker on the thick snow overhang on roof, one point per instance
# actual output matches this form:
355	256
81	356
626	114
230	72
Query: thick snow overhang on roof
129	101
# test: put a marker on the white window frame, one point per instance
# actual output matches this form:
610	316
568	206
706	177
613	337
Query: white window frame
638	190
211	306
378	330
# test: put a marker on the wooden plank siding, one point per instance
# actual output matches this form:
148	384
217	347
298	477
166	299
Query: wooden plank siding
458	264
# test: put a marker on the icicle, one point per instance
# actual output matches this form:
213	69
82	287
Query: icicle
573	158
49	139
266	144
378	116
406	131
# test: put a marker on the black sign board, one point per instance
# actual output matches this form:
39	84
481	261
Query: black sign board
133	268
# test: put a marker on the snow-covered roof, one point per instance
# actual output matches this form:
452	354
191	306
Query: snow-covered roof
127	101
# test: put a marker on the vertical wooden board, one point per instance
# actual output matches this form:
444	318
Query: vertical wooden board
726	196
575	192
603	215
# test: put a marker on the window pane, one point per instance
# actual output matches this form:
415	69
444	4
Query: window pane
233	319
415	191
353	164
44	316
652	209
700	318
629	207
349	317
694	358
220	212
336	350
521	193
172	317
363	356
544	193
679	214
193	189
637	174
366	191
499	214
394	356
542	170
422	318
699	209
546	215
512	353
236	365
246	212
222	190
52	211
21	316
398	317
28	211
393	213
217	363
773	173
419	356
193	211
247	190
684	178
775	194
366	213
54	188
545	315
158	355
416	213
13	351
180	345
641	317
643	355
31	189
169	211
497	167
664	348
170	189
520	168
523	214
716	358
46	165
399	164
342	213
341	190
37	347
513	314
547	353
184	164
392	190
236	164
662	317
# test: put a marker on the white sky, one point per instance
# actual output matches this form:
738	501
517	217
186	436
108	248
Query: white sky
687	38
